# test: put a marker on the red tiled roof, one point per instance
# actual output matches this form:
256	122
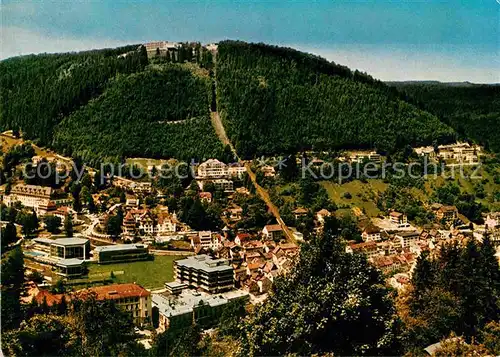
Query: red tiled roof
118	291
364	245
50	298
273	228
254	266
243	236
300	210
207	195
324	212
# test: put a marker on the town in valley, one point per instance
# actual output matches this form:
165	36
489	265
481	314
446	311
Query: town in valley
235	244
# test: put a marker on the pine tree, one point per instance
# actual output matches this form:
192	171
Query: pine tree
423	275
68	226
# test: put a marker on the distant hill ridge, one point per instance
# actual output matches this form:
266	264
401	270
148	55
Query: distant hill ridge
272	100
279	100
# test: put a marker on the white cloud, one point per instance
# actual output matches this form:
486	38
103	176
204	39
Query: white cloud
17	41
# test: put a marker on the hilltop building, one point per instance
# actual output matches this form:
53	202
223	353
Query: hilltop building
460	152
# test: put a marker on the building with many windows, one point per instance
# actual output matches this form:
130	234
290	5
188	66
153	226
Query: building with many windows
204	272
212	168
36	197
131	298
447	214
121	253
407	238
66	256
187	306
70	248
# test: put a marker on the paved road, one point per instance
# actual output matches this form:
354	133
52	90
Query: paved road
264	195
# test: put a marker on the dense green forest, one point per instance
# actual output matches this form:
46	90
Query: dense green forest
272	100
109	104
134	117
37	91
472	110
278	100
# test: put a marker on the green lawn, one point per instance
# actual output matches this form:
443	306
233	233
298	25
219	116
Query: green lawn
362	194
149	274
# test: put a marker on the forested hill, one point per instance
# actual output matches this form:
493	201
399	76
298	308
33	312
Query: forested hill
160	113
37	91
277	100
111	104
472	110
117	103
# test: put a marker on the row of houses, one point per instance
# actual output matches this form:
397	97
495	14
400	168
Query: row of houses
145	222
460	152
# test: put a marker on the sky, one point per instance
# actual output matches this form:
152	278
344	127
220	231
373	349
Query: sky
446	40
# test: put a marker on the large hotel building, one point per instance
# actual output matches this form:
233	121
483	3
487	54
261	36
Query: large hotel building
201	271
131	298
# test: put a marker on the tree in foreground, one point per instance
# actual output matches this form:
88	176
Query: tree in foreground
12	273
332	302
456	290
87	327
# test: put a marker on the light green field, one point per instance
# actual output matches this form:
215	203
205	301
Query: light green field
363	194
150	274
145	162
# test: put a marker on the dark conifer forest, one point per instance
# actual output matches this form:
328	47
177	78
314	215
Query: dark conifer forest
472	110
278	100
117	103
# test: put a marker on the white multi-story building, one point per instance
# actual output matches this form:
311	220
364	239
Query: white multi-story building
461	152
212	168
236	169
144	221
36	197
407	238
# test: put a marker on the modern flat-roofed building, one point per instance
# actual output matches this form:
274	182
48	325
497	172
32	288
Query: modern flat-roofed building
66	256
174	287
131	298
70	268
398	218
178	311
121	253
70	248
406	238
204	272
